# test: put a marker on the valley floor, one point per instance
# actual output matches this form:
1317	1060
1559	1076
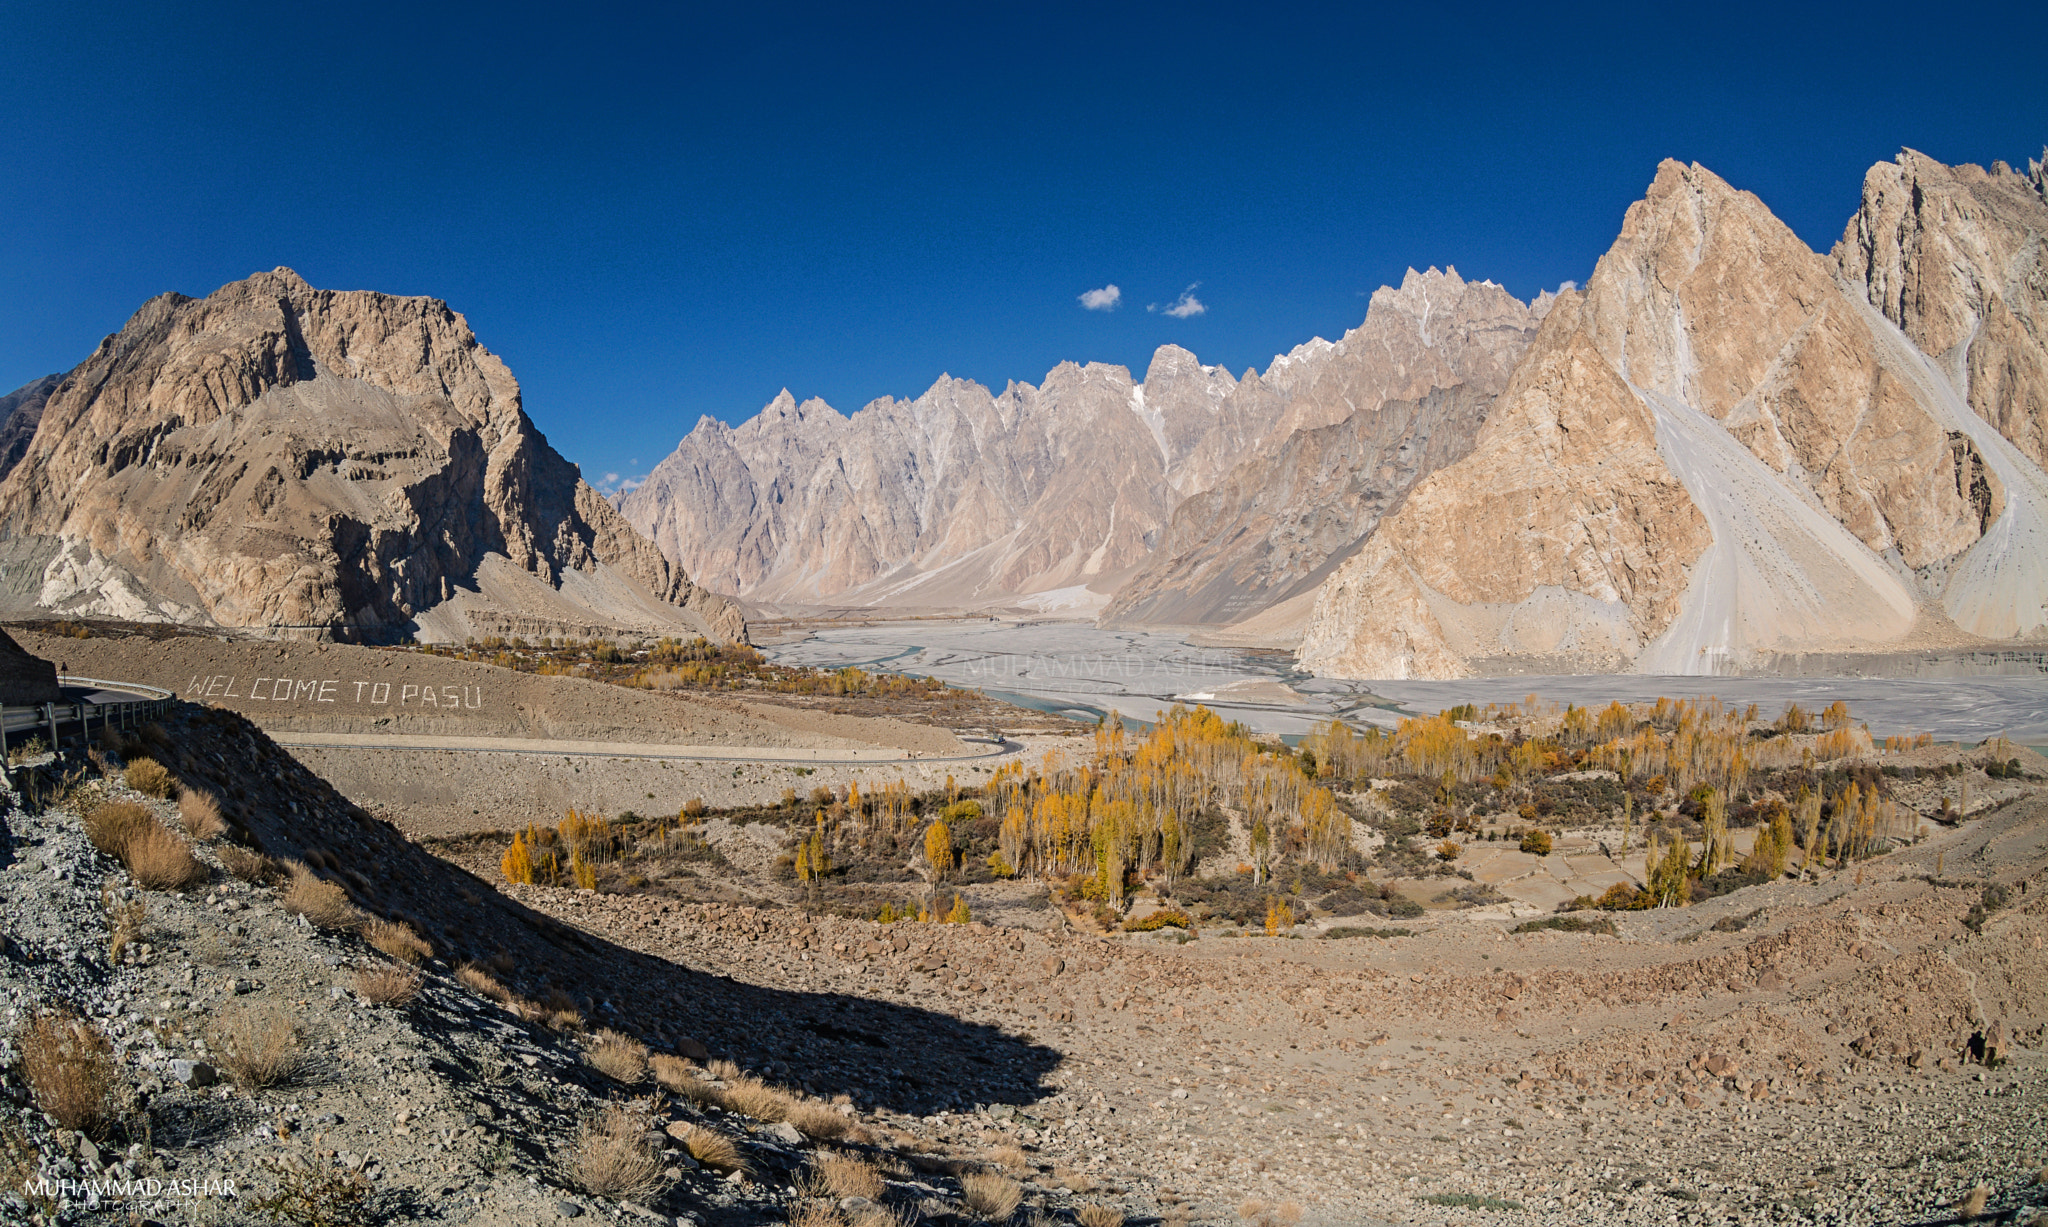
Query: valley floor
1807	1065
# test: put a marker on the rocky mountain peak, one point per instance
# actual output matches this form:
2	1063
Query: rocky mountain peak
1718	451
346	462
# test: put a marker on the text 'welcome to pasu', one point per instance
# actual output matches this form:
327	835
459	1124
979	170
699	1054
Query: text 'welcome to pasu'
336	690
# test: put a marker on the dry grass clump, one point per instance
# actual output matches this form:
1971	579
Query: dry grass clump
397	939
386	985
257	1045
615	1159
713	1149
815	1213
845	1175
71	1072
816	1120
125	921
112	824
1012	1157
1095	1214
1261	1214
618	1056
322	902
157	857
676	1075
160	859
995	1197
482	983
749	1096
199	812
149	777
250	866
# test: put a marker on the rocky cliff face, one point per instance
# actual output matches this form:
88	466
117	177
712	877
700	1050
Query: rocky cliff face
1279	523
276	456
1048	495
1714	453
21	411
1352	426
1953	256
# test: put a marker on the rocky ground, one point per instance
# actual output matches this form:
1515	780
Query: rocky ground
1810	1051
1796	1052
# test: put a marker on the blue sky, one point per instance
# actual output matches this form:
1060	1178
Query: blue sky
658	213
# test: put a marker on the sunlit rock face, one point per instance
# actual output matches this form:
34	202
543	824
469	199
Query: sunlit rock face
279	457
968	497
1719	450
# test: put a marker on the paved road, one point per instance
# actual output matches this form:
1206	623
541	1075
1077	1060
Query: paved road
627	749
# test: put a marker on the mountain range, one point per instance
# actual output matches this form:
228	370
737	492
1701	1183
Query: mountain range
1724	448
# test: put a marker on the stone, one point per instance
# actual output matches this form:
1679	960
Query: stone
784	1132
1720	1064
1769	981
193	1074
568	1209
692	1049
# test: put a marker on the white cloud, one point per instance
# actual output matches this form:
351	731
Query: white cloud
1186	305
1567	285
614	484
1104	299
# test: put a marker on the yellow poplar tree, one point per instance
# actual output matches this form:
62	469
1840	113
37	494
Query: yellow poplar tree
517	863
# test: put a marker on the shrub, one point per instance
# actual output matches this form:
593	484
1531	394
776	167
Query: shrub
322	902
1567	924
816	1120
750	1096
675	1074
249	866
614	1157
1343	931
149	777
846	1175
618	1056
482	983
160	859
995	1197
1097	1215
1448	851
386	985
1536	843
1012	1157
1160	919
112	824
257	1045
713	1149
397	939
71	1072
200	814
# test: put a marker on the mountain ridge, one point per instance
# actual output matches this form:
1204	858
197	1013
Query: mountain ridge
281	458
967	498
